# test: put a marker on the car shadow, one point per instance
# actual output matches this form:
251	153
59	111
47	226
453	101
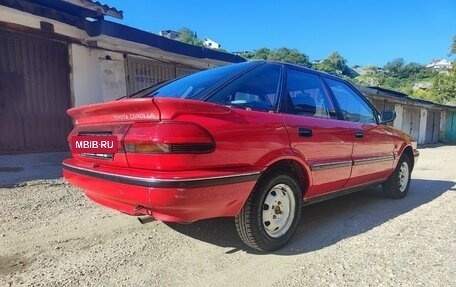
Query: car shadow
18	169
326	223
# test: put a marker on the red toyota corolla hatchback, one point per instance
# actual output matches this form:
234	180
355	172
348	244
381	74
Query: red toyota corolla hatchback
255	141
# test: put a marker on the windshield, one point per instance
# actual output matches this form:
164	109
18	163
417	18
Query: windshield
192	86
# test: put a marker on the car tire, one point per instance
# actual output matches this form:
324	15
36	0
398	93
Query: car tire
398	183
272	212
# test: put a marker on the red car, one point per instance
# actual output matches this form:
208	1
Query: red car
255	141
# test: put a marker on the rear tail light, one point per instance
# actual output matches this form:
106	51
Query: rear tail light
168	137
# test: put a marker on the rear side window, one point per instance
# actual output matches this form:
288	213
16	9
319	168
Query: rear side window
256	90
306	96
193	86
352	106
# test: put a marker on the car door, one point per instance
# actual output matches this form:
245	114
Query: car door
314	131
373	148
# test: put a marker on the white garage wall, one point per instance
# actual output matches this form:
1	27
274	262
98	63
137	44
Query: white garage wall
85	76
112	67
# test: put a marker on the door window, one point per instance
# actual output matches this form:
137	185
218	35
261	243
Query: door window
305	95
353	107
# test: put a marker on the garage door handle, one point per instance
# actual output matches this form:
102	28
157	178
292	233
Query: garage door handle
305	132
359	134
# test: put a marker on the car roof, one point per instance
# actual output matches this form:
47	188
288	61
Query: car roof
327	75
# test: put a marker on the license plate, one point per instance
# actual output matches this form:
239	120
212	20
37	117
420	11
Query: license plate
94	144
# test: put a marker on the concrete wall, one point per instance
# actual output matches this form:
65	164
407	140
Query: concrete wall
85	75
97	76
397	124
113	80
423	126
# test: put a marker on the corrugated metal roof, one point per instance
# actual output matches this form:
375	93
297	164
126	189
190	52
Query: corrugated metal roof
123	32
98	7
388	91
78	8
75	12
383	92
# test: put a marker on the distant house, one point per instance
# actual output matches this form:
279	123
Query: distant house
211	44
440	65
170	34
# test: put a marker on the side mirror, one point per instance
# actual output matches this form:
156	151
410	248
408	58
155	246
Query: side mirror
387	116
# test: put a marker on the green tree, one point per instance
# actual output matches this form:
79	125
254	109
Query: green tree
396	74
290	56
410	70
334	64
453	47
190	37
260	54
282	54
421	94
444	85
444	88
369	76
394	68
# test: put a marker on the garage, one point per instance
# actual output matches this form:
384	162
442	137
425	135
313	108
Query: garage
411	121
142	72
34	93
450	127
432	127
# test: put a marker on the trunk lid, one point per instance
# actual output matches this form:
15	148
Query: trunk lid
128	110
110	119
116	118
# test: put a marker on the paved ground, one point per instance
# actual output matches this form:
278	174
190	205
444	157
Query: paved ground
17	169
50	235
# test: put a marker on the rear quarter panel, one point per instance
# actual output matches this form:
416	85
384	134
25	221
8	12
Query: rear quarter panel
242	139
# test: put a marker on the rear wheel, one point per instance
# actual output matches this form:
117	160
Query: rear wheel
398	183
271	214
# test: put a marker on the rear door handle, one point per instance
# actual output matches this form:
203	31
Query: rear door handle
305	132
359	134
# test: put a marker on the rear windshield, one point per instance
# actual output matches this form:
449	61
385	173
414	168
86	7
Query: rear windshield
194	85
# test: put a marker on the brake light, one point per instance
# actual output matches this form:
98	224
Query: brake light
168	137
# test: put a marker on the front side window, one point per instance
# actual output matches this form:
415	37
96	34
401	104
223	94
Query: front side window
306	96
353	107
256	90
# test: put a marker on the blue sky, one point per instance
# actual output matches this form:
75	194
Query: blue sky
363	31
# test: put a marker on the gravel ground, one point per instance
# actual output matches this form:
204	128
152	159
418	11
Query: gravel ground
50	235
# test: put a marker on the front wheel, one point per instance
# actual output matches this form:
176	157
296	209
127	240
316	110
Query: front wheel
398	183
271	214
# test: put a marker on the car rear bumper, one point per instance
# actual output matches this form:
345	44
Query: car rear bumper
167	196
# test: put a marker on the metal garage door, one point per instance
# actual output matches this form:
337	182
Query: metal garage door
142	72
432	127
378	104
182	71
450	127
411	121
34	94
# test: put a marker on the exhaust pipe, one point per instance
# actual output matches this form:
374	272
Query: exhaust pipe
146	219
